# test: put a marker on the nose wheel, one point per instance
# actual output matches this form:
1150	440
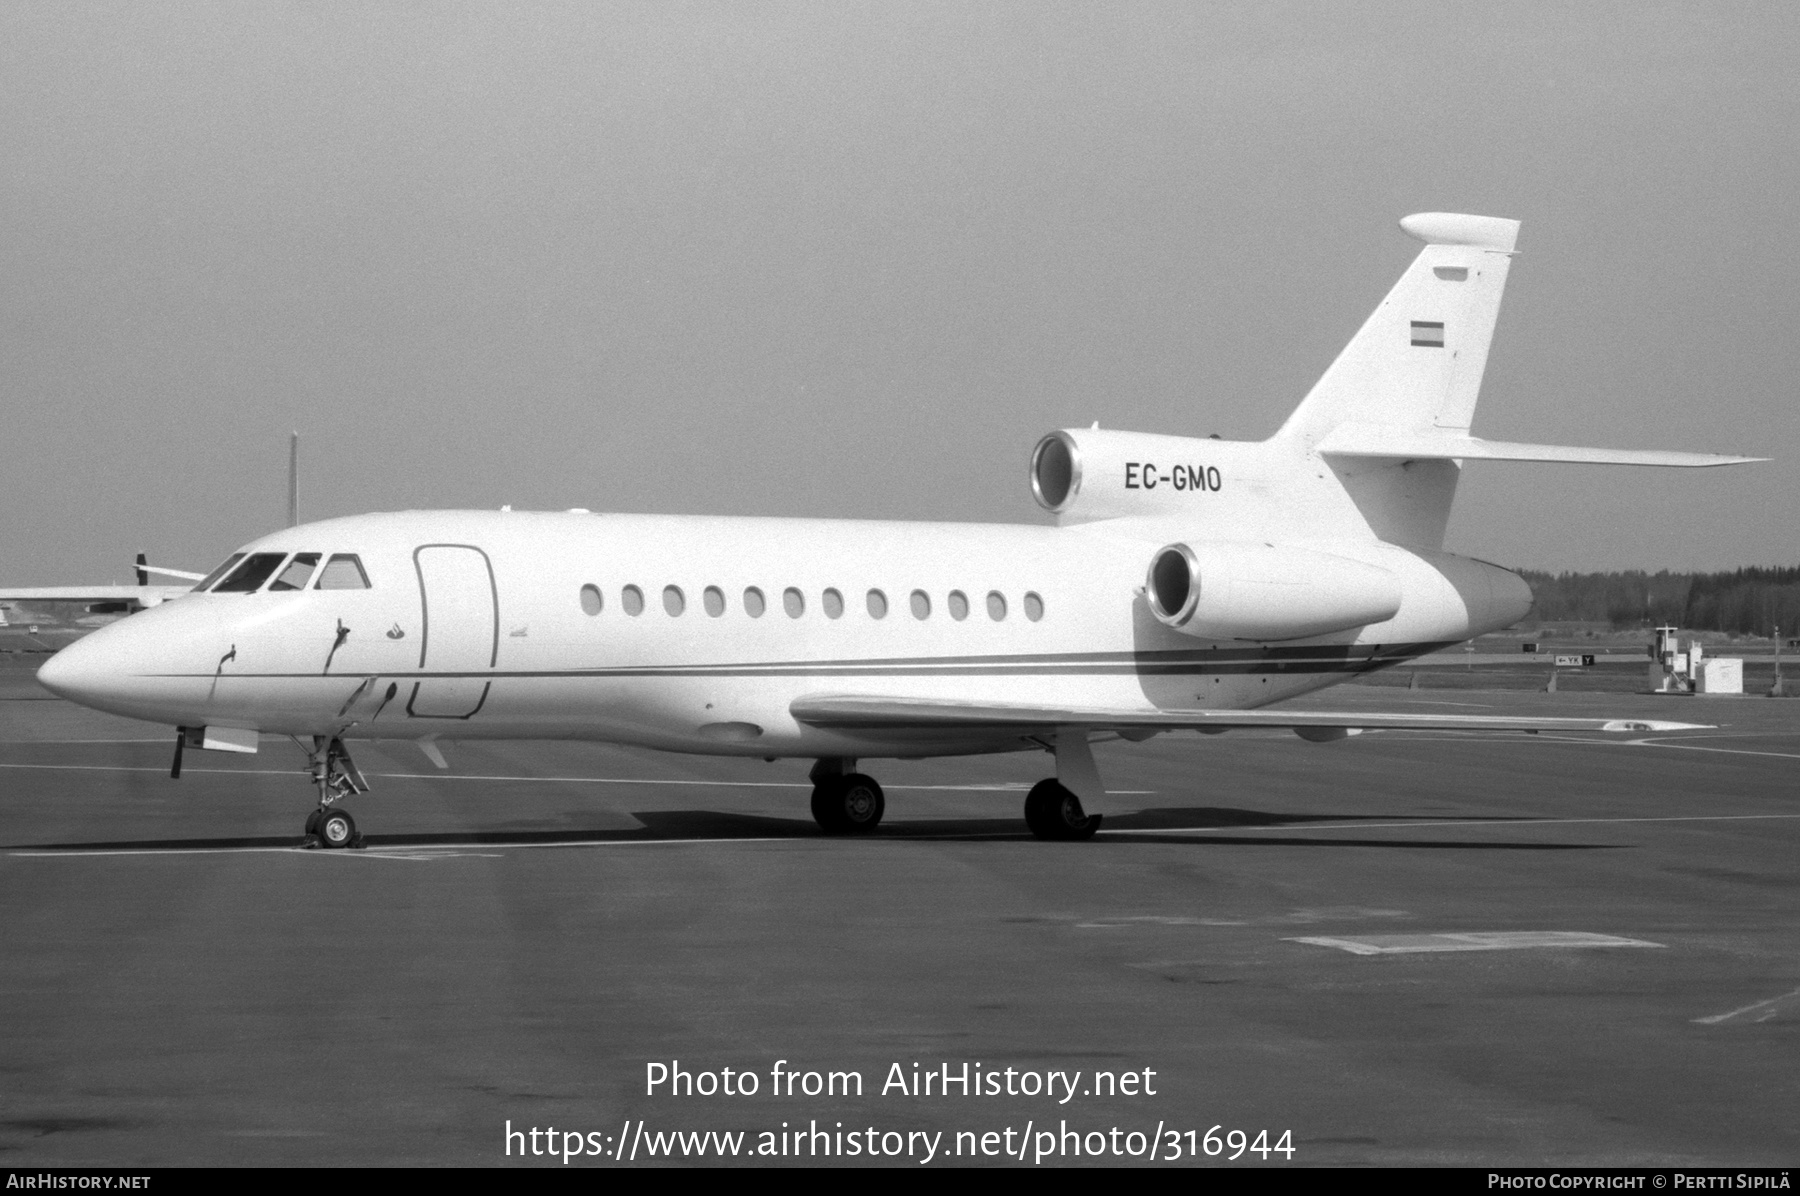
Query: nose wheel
332	828
335	776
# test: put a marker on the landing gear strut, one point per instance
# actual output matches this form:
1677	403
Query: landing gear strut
845	802
1053	812
336	776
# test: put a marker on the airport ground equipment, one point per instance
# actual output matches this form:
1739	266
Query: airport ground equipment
1675	669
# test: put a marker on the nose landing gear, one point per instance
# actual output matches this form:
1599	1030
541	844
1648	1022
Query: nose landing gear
337	777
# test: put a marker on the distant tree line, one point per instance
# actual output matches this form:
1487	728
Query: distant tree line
1743	602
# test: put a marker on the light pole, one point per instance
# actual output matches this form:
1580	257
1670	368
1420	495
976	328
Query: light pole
1775	689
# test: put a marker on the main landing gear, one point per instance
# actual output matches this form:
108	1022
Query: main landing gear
1053	812
845	802
337	777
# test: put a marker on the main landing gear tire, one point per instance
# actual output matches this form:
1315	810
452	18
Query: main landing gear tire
1053	812
334	828
848	805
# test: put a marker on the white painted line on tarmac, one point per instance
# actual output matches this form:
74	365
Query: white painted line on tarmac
425	853
1666	741
1486	940
635	842
141	768
1151	920
1003	787
29	742
1471	825
144	851
1695	747
448	850
443	851
1770	1008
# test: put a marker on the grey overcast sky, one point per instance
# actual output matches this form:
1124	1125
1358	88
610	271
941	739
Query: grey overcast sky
837	259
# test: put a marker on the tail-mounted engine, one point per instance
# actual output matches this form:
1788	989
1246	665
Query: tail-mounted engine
1085	474
1229	591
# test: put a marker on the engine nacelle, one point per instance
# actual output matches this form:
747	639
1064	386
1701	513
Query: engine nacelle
1227	591
1084	474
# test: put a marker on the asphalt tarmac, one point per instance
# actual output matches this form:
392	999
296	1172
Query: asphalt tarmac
528	933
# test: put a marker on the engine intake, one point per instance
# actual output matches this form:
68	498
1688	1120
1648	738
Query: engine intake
1262	592
1055	471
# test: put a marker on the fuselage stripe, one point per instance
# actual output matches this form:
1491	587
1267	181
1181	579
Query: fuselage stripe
1230	662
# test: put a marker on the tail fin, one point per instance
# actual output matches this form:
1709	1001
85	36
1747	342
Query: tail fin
1391	416
1416	363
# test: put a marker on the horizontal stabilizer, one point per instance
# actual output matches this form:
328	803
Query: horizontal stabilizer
182	573
852	712
1363	440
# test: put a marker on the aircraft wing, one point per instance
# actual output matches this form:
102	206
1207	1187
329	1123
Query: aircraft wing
55	613
854	712
147	595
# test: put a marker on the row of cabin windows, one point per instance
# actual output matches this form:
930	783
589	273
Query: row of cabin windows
242	574
793	602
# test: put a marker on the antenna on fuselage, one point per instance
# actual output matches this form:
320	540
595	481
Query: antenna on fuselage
294	479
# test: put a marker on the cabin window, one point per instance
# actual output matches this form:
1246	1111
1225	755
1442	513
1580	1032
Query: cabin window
251	574
833	602
793	602
342	572
632	599
298	572
996	605
877	604
216	574
713	598
1034	607
591	601
958	602
921	604
674	601
754	603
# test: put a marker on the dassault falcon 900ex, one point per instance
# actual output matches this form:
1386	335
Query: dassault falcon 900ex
1187	583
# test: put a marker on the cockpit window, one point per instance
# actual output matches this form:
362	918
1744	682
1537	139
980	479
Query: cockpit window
343	572
294	576
216	574
251	574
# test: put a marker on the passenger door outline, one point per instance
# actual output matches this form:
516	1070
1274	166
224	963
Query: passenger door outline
447	696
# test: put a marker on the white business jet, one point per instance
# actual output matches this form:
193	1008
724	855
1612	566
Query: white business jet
1187	584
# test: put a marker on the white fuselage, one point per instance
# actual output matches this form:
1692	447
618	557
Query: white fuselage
476	624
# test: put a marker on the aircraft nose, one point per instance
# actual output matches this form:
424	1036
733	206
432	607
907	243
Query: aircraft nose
142	666
79	672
